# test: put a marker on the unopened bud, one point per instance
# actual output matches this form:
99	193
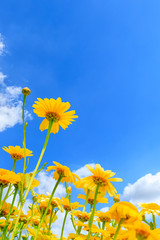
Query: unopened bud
24	237
116	198
26	91
69	190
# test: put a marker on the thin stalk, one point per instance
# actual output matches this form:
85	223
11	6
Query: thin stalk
24	140
64	221
154	221
14	164
50	221
86	200
84	208
33	175
93	212
48	205
73	223
1	192
118	228
103	226
10	211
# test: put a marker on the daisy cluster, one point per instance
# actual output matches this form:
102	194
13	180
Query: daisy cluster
123	220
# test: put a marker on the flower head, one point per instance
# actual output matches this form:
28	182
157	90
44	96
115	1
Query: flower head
64	172
7	177
149	208
55	110
125	210
67	205
17	152
101	178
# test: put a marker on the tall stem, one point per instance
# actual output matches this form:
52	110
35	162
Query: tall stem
103	225
48	205
93	211
118	228
24	140
33	175
154	221
64	221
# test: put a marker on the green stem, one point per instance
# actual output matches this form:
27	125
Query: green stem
20	234
93	211
64	221
154	221
73	222
103	226
33	175
1	192
24	140
10	211
86	200
14	164
84	208
48	205
118	228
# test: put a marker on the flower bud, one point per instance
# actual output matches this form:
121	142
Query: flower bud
69	190
116	198
26	91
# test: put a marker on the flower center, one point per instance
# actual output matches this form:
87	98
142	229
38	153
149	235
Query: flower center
60	172
83	218
67	208
52	116
100	180
142	234
16	156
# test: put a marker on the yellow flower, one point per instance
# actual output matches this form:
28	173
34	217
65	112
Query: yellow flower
7	177
116	198
103	216
6	208
149	208
55	110
100	198
82	216
26	181
17	152
67	206
64	172
125	210
142	231
101	178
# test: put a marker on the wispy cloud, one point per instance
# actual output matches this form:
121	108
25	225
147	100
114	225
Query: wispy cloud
2	46
10	105
145	189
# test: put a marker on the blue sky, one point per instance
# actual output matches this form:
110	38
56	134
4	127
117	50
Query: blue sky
101	56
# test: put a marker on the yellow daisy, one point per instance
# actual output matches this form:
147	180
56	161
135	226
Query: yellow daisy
125	210
7	177
149	208
64	172
101	178
17	152
100	198
67	206
55	110
82	216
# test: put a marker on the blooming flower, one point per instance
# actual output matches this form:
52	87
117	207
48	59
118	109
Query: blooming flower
64	172
101	178
7	177
55	110
125	210
17	152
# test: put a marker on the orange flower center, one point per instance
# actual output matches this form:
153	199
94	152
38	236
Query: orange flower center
52	116
16	156
60	172
99	180
104	219
67	208
142	234
83	218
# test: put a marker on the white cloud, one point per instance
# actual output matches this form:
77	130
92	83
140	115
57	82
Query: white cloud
83	171
10	105
105	209
47	184
2	46
145	189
